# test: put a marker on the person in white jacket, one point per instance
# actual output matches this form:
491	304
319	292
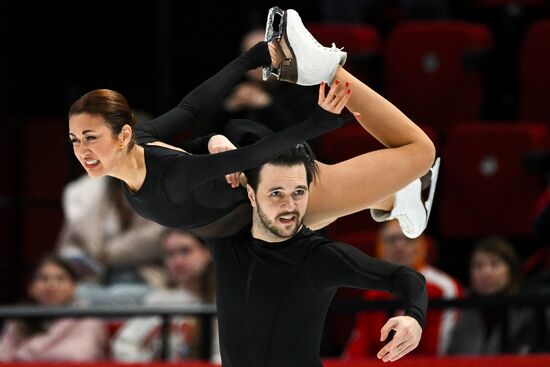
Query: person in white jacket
115	250
189	265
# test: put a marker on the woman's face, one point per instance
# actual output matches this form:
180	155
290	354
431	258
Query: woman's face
94	145
185	258
489	274
52	286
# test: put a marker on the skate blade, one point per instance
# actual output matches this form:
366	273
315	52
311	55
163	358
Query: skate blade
271	34
428	203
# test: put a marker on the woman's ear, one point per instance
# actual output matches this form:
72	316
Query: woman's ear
126	134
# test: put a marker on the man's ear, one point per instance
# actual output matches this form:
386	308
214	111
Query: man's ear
251	195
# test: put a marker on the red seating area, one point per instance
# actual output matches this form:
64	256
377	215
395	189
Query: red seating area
431	71
535	73
485	189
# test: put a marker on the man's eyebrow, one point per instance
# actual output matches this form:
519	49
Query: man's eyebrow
281	188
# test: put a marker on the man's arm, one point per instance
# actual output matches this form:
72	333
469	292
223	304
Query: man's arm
342	265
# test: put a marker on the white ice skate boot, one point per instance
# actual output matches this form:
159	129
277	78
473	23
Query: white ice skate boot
306	61
409	208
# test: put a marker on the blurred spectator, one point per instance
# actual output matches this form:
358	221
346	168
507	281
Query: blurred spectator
274	104
191	271
494	270
53	284
394	247
114	250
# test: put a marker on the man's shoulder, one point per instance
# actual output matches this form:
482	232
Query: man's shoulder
321	245
313	238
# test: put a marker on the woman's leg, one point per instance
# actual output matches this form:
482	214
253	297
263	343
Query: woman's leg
371	179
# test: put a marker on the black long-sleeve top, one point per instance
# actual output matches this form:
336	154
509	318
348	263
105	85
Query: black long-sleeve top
189	190
272	298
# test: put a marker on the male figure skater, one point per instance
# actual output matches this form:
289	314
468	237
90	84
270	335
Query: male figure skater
277	279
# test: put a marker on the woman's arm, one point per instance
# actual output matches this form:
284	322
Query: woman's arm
201	169
68	340
211	92
191	172
10	341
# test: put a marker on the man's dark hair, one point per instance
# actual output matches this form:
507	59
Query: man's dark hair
300	154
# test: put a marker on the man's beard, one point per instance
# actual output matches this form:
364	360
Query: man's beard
276	227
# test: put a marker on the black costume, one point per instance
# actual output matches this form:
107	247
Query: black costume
189	191
272	298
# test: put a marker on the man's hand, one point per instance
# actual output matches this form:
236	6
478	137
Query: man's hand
218	144
406	338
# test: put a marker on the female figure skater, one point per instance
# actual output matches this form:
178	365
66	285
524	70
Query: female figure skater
178	189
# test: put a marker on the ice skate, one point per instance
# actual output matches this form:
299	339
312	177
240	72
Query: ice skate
410	209
306	61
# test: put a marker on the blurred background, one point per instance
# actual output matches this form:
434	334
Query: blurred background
474	74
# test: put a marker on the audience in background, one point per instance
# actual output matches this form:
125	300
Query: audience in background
394	247
494	270
115	250
53	284
189	265
274	104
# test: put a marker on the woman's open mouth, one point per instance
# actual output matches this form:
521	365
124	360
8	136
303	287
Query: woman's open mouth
91	163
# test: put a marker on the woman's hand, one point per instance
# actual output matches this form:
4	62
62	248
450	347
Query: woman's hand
337	97
217	144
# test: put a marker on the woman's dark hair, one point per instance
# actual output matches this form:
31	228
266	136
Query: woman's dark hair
300	154
58	261
109	105
38	325
505	251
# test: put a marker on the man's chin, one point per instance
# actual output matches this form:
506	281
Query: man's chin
285	232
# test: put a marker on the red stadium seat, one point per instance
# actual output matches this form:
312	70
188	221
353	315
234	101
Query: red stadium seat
361	42
45	159
535	73
485	190
354	38
432	70
45	166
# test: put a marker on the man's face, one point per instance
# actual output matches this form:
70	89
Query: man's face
399	249
279	202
